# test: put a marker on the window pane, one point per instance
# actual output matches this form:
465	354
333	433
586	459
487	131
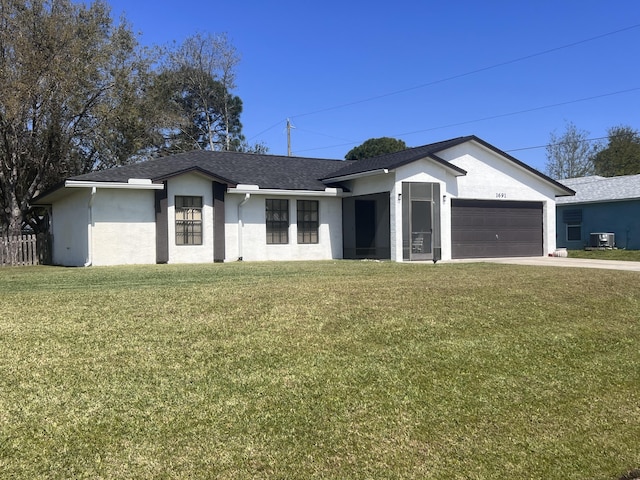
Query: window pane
277	221
188	220
574	233
307	213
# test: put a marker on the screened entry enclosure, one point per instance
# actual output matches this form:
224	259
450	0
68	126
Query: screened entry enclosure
421	221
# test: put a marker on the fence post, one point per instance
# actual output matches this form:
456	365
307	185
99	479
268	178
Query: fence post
3	250
43	248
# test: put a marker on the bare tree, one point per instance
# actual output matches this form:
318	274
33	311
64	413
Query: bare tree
569	155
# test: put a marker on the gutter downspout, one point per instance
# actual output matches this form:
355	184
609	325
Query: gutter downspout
247	196
90	229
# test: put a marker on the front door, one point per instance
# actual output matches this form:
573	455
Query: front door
365	213
421	230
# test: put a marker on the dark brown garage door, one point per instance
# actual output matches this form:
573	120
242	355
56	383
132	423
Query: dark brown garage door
486	228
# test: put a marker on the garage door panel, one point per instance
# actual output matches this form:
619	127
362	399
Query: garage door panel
485	228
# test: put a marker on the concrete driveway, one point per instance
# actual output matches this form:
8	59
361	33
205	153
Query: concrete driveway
559	262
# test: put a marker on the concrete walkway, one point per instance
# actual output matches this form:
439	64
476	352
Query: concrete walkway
558	262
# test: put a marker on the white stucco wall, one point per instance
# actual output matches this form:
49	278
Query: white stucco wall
124	227
191	184
253	244
382	182
118	228
70	227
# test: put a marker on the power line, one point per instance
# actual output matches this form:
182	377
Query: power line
492	117
267	129
446	79
586	140
519	112
472	72
325	135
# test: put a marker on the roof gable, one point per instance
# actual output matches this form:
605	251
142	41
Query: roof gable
390	161
563	188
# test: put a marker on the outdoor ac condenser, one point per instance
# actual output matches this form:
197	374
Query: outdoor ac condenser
602	240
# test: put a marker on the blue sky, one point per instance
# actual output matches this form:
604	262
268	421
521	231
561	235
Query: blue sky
509	72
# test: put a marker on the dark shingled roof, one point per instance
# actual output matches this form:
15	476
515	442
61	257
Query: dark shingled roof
267	171
397	159
403	157
286	173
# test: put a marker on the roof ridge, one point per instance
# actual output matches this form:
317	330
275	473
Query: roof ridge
249	154
426	146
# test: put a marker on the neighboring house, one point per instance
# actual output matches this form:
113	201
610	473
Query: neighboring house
461	198
600	205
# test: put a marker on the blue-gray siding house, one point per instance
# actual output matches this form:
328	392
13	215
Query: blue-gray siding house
600	205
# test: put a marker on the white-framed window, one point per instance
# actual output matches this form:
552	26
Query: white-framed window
188	220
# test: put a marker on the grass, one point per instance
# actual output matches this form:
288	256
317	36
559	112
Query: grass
325	370
628	255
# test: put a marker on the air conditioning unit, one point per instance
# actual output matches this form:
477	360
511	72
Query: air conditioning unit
602	240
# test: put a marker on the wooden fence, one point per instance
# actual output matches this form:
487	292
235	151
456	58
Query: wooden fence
25	250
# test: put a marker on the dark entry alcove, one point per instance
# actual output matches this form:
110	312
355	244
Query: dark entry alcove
366	226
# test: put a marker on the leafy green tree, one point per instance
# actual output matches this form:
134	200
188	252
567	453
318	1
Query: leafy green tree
374	147
66	74
621	155
569	155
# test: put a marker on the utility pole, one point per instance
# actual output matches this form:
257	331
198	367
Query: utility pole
289	127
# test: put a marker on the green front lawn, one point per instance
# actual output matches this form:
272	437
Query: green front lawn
629	255
327	370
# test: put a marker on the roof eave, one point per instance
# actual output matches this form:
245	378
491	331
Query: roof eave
256	190
603	200
62	190
353	176
132	184
454	169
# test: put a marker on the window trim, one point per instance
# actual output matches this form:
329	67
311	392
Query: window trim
277	230
308	230
191	231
